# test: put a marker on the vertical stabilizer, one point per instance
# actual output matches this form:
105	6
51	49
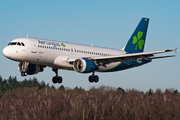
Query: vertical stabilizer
137	40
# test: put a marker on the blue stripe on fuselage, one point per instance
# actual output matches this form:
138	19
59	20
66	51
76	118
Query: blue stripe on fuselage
127	65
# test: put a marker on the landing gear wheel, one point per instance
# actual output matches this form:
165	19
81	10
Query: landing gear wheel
59	79
93	78
96	78
23	73
54	79
90	79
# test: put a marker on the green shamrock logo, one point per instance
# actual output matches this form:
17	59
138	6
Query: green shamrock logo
138	41
62	45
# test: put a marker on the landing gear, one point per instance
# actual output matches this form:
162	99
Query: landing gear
23	73
24	68
93	78
56	79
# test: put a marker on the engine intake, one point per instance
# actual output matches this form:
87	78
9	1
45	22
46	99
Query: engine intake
84	66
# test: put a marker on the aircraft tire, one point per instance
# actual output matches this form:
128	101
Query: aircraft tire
96	78
90	79
59	79
54	80
23	73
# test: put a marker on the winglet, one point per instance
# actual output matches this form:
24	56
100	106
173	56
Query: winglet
175	50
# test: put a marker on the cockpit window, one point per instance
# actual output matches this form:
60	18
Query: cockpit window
22	44
19	44
13	43
16	43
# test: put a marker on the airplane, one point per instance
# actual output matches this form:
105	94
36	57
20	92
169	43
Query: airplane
36	54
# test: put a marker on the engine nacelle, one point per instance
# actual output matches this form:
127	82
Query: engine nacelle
84	66
30	69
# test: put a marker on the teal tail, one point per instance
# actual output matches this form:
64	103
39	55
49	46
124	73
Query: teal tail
137	40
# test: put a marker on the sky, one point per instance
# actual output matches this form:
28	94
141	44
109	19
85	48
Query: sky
106	23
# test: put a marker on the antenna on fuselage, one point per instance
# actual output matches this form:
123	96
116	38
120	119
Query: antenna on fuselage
26	36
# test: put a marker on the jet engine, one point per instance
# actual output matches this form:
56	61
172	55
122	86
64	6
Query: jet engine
84	66
29	69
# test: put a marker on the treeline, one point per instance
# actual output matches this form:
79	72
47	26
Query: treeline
103	103
7	85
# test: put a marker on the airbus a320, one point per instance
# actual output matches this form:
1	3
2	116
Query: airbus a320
35	54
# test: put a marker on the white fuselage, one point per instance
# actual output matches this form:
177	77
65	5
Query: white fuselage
55	54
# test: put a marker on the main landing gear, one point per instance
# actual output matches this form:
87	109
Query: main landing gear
56	79
93	78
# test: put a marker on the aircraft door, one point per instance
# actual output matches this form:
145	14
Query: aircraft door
33	46
75	51
71	51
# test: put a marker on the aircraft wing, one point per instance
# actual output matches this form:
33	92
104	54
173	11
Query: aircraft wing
124	57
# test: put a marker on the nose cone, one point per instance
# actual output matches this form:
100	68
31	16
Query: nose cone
6	52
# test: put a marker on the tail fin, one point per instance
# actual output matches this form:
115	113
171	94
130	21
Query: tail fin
137	40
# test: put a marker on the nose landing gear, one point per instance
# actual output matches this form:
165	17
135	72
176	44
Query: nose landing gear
24	68
56	79
93	78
